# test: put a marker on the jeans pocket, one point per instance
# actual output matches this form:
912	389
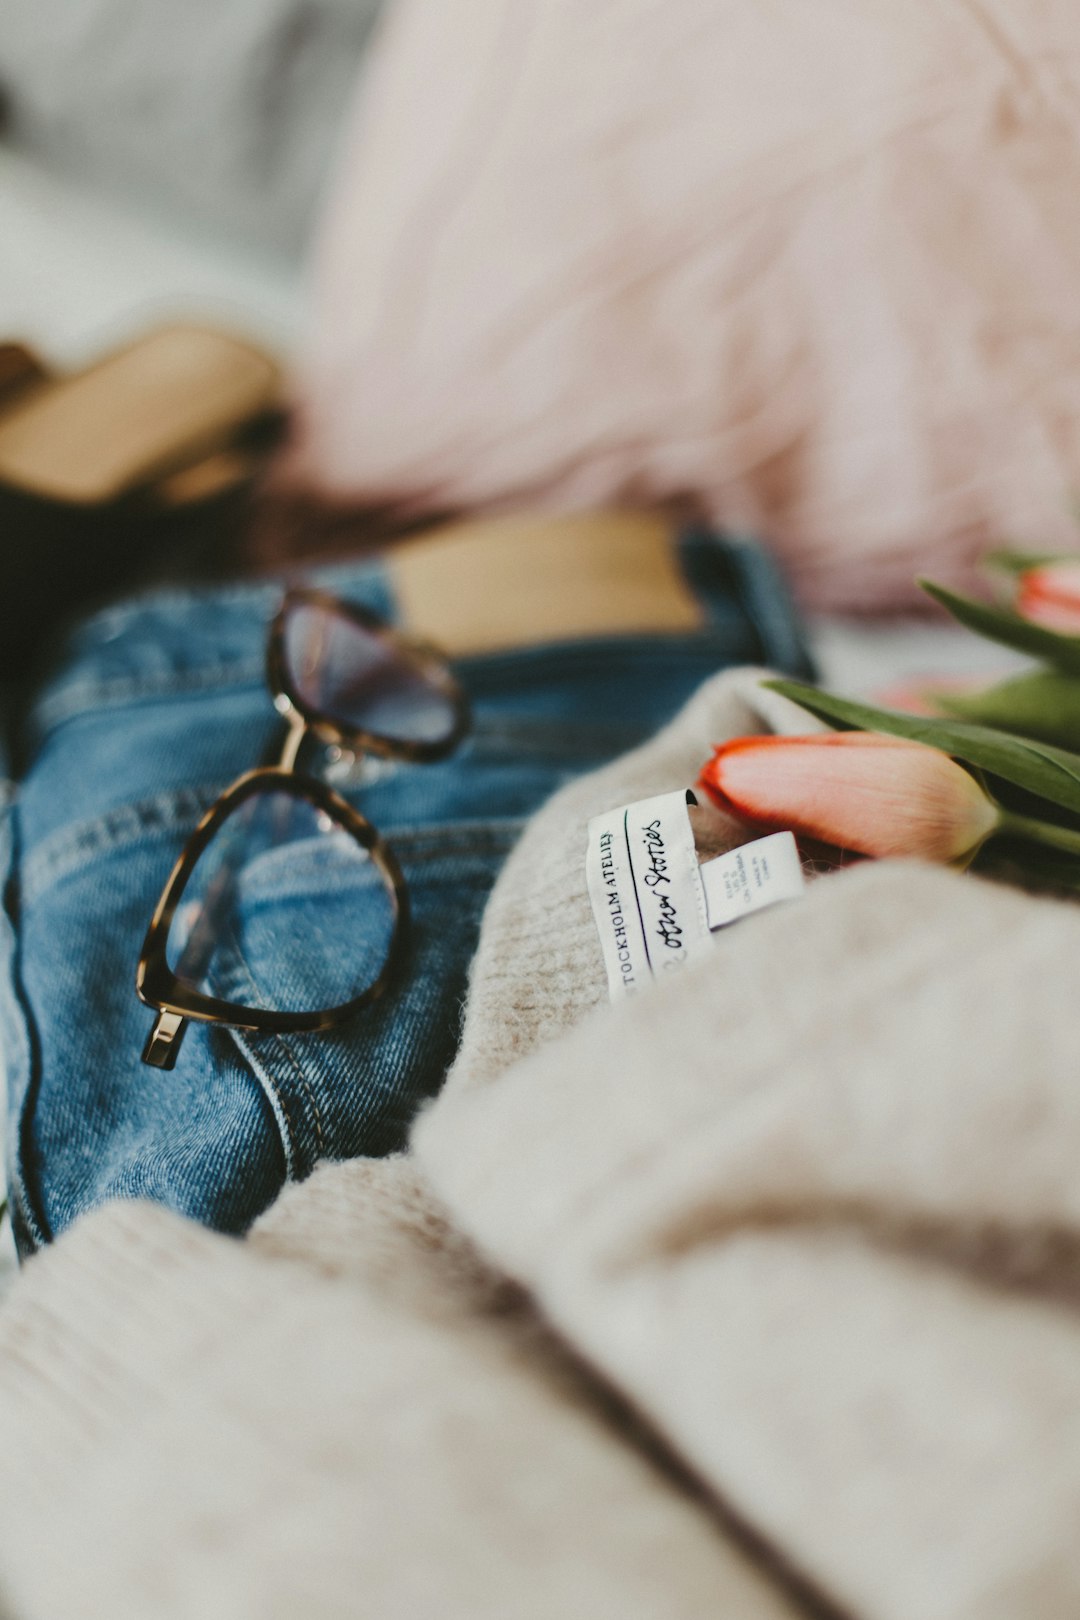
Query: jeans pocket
90	1122
355	1088
217	1137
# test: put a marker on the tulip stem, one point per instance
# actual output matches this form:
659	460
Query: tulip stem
1039	832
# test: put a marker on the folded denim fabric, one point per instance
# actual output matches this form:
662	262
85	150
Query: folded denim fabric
153	708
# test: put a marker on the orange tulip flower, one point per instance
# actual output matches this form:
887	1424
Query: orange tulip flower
857	790
1050	595
915	696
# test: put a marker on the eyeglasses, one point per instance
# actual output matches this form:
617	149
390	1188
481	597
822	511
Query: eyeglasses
237	937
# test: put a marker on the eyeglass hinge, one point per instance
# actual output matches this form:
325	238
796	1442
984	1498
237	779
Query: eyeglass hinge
162	1048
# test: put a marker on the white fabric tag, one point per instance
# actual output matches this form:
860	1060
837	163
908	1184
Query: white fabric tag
646	890
655	906
752	877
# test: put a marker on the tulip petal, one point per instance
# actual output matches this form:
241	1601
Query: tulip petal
1049	773
1050	596
860	791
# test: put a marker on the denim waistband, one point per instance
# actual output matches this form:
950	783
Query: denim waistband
197	640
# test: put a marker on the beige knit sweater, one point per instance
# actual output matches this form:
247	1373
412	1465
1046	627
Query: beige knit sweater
776	1315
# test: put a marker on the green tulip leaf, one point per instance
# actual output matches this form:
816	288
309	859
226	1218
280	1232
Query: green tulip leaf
1030	867
1050	773
1004	626
1044	705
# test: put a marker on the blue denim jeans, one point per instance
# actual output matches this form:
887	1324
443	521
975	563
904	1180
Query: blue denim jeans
152	709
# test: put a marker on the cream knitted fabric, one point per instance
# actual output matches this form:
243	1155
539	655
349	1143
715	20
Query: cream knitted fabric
813	1206
538	968
344	1416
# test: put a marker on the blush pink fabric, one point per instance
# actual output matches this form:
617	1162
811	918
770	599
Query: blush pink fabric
814	268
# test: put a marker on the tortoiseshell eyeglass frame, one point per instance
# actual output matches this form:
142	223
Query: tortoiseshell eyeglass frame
156	984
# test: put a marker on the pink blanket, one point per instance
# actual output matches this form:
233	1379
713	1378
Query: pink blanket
814	270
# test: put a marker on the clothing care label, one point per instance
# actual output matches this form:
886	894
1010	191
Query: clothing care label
655	907
752	877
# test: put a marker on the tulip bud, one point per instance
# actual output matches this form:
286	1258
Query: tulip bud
857	790
1050	595
924	697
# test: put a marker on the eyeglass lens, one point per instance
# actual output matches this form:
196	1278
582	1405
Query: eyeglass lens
283	911
361	680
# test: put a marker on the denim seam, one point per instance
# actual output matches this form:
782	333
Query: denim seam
277	1102
353	575
763	596
297	1069
167	601
164	816
72	702
32	1227
570	657
71	848
497	739
472	838
66	701
87	697
242	969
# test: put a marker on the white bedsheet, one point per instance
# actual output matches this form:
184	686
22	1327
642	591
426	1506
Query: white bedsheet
78	272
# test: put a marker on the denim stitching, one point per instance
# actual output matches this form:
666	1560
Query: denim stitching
571	658
482	672
83	697
492	739
169	814
343	576
32	1228
71	848
429	845
241	979
242	973
266	1080
280	1041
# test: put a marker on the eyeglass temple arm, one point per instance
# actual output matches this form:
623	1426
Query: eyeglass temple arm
166	1037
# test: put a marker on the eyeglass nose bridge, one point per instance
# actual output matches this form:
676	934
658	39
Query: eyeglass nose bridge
298	729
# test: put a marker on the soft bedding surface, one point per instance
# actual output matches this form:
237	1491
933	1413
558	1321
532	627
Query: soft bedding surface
80	271
226	112
810	267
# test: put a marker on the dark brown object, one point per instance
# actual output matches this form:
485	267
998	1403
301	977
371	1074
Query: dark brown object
109	475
